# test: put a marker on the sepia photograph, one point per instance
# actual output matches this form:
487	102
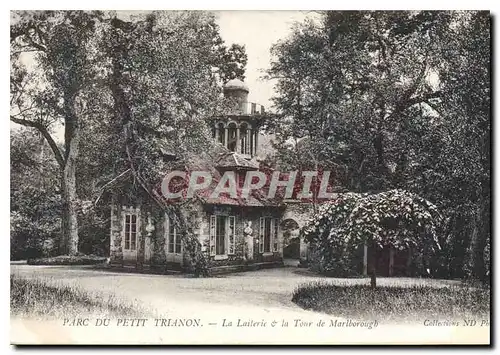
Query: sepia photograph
250	177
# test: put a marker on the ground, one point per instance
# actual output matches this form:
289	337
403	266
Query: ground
263	289
260	296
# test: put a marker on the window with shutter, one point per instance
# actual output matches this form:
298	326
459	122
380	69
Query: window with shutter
275	228
268	236
213	226
231	234
261	235
222	235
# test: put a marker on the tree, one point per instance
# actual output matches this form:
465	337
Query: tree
52	71
349	81
456	172
467	156
122	88
396	100
331	252
35	201
396	219
231	62
164	82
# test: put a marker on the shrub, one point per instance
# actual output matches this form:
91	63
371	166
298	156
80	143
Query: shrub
395	218
30	238
94	224
330	252
69	260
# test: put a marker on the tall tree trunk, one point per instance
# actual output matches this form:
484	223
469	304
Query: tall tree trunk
373	266
70	199
478	242
70	216
63	242
69	242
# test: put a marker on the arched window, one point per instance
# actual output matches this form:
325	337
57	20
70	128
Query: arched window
244	149
231	136
219	133
251	145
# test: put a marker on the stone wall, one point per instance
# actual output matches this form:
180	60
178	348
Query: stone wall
158	257
242	215
150	251
115	250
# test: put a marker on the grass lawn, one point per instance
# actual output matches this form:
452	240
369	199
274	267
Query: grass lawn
47	299
68	260
395	303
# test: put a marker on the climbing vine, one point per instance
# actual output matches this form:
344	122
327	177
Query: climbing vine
331	252
395	218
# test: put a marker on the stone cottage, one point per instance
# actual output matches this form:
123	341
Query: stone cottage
235	234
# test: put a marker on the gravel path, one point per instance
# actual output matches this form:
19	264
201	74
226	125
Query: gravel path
264	289
262	296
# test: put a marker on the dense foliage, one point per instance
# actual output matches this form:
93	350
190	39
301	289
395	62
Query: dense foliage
126	89
395	100
53	65
36	204
35	201
331	250
396	218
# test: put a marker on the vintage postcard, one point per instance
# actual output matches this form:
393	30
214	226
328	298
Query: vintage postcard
250	177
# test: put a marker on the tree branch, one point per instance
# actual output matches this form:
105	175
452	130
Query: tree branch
103	188
416	100
435	108
46	135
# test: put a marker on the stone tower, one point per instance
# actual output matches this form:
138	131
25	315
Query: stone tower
238	130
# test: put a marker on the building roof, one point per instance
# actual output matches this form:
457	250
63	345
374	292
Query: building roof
233	160
254	199
236	84
226	200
